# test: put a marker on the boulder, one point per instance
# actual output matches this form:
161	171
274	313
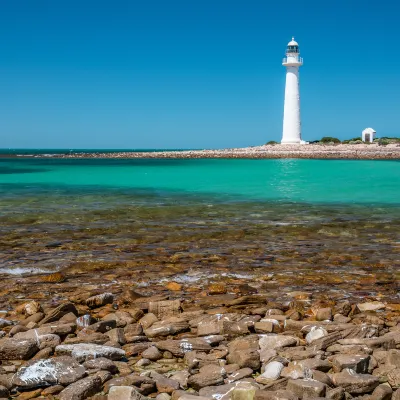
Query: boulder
58	370
86	351
82	389
355	383
306	388
358	363
17	349
60	311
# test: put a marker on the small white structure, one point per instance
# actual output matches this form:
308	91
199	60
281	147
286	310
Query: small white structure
291	115
368	135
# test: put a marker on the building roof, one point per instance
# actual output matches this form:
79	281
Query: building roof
369	130
293	42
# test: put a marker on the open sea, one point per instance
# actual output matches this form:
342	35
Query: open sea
307	222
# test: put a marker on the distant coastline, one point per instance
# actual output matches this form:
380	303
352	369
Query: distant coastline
310	151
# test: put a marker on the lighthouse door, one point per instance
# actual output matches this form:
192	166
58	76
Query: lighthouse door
367	137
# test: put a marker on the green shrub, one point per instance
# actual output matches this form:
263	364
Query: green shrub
329	139
383	142
271	142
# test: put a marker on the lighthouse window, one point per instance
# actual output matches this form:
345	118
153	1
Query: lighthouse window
293	49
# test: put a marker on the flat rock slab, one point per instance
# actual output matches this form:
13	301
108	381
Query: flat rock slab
59	370
86	351
277	341
307	388
82	389
355	383
15	349
179	347
358	363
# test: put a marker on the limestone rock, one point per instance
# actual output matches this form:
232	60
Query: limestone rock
17	349
306	388
100	300
358	363
82	389
277	341
355	383
179	347
59	312
86	351
58	370
166	308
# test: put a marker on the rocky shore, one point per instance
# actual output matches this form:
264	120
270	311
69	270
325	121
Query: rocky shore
224	344
316	151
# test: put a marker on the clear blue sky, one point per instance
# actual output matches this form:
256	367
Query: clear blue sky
192	73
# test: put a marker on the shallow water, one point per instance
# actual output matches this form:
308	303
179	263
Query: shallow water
326	225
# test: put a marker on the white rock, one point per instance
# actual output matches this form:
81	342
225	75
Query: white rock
315	333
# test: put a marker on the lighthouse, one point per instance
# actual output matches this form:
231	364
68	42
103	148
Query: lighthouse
291	114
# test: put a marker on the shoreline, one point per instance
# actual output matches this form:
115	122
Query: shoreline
312	151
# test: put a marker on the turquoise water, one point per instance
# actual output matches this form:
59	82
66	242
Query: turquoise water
284	180
326	225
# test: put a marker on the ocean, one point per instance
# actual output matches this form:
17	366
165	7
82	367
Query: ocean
325	222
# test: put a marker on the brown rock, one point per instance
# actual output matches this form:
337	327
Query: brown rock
15	349
29	395
148	320
163	384
59	312
136	348
152	353
52	390
58	370
171	326
355	383
393	378
306	388
357	363
323	314
179	347
382	392
335	394
164	309
173	286
205	379
101	363
100	300
117	335
82	389
102	326
216	288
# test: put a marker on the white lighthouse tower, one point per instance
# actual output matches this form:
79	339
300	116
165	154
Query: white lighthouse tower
291	115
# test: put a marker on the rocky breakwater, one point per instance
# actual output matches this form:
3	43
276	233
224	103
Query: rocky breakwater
313	151
224	347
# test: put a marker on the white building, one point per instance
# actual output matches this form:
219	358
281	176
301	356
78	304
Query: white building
291	114
368	135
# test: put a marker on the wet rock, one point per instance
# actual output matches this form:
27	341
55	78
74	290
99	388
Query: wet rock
101	363
370	306
355	383
382	392
357	363
163	384
59	312
305	388
17	349
58	370
179	347
100	300
124	393
82	389
165	328
152	353
86	351
164	309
